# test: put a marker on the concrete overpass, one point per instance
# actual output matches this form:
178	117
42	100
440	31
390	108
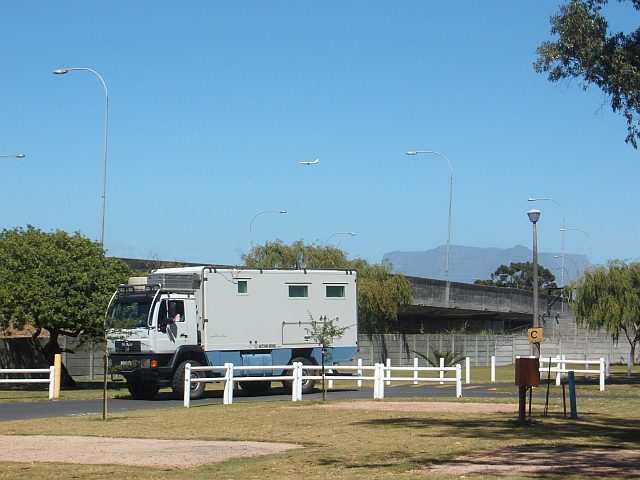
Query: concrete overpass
478	307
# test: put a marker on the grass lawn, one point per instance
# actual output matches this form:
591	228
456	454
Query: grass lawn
337	443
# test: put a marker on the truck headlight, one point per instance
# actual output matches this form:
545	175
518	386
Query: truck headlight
145	363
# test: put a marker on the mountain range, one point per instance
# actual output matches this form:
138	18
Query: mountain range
466	264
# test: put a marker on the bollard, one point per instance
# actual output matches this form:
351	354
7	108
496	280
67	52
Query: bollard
572	395
57	363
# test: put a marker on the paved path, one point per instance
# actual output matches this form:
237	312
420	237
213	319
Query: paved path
69	408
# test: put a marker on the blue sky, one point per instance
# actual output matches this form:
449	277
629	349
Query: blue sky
213	105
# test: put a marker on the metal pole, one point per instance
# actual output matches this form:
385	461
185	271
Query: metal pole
106	135
446	271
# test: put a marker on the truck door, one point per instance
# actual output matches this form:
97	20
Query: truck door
175	324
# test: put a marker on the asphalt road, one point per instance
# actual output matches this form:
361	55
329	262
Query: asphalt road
72	408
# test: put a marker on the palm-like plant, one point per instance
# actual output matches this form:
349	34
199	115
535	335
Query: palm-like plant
450	358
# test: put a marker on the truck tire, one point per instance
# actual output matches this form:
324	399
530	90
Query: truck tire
177	383
141	390
307	385
255	388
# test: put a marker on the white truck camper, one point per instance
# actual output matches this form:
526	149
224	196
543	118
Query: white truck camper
214	315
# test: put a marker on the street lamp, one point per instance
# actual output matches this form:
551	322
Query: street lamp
446	271
339	233
254	217
534	216
106	130
574	264
17	155
563	229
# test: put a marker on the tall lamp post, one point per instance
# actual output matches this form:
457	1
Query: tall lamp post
562	230
106	132
534	216
339	233
254	217
446	271
588	237
17	155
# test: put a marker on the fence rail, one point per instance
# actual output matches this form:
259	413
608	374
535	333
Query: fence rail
51	371
561	368
381	374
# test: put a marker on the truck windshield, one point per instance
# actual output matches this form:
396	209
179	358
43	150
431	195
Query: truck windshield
129	311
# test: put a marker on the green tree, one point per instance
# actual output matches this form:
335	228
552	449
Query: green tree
586	51
609	296
520	275
324	332
381	293
56	282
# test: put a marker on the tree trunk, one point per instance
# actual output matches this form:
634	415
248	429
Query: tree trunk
49	350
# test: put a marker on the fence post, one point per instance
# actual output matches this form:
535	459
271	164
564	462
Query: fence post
228	385
294	382
360	373
388	371
187	385
415	372
493	368
558	374
586	365
52	381
602	374
459	380
441	371
467	366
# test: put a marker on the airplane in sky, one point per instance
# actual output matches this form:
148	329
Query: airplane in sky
309	163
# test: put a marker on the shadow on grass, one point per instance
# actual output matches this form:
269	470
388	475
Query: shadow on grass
602	430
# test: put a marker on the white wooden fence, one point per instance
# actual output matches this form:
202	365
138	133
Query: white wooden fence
558	365
51	371
379	374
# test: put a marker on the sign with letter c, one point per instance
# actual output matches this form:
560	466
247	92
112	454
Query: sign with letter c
535	335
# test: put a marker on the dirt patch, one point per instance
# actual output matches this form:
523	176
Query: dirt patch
558	462
427	407
129	451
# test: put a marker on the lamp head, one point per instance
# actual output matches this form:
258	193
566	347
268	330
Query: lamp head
531	199
534	215
412	153
20	155
60	72
282	211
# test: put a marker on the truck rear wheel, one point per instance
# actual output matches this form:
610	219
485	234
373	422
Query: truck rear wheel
307	385
177	384
142	390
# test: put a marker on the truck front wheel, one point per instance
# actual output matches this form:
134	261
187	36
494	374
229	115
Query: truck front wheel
142	390
177	384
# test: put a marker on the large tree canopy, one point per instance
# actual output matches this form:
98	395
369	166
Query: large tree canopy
56	282
520	275
381	294
609	297
585	50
